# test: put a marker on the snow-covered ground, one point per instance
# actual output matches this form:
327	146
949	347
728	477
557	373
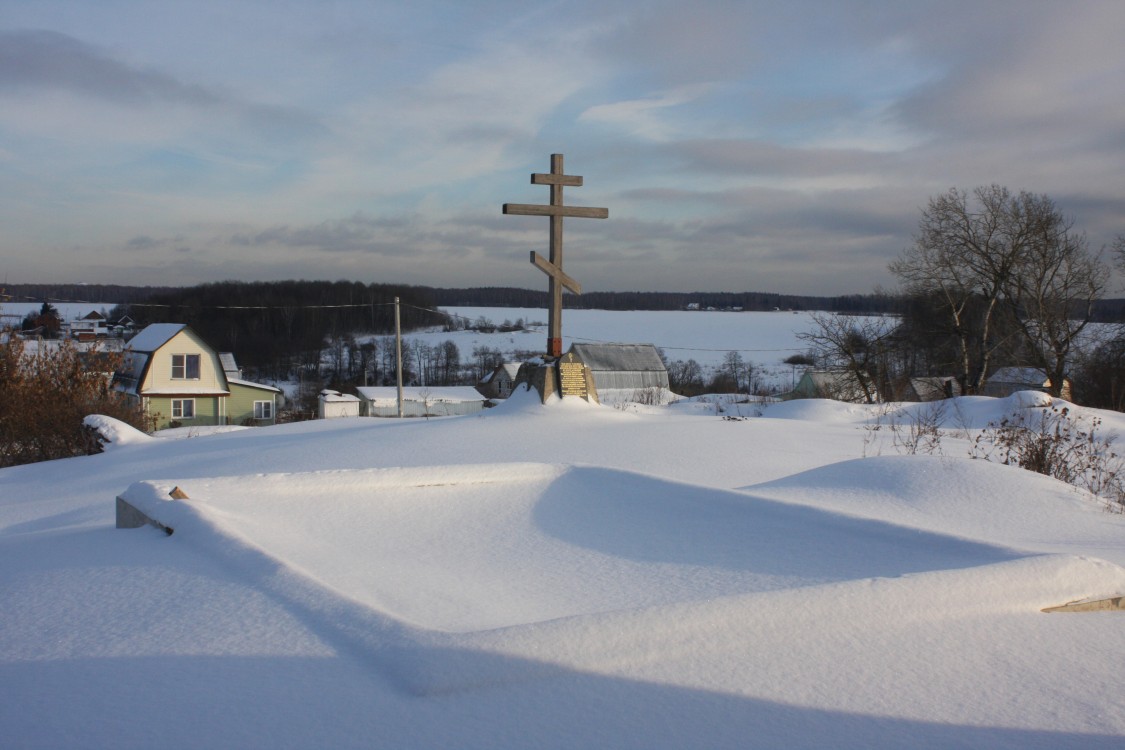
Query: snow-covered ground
560	576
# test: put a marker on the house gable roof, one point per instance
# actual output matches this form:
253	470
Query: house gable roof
935	388
510	369
155	336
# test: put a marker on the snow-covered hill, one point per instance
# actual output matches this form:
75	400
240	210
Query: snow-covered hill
562	576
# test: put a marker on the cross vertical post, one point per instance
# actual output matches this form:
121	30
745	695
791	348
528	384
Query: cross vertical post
555	249
552	266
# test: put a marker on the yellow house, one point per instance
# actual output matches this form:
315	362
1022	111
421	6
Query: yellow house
180	381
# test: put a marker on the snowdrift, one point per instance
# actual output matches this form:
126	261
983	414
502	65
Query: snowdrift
592	568
557	576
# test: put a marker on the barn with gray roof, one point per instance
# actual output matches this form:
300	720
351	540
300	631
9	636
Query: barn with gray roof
623	366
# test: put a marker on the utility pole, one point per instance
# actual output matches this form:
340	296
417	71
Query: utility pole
398	355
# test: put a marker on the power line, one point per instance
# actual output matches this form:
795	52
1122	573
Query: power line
261	307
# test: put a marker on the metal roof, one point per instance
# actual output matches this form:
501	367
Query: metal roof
620	357
228	363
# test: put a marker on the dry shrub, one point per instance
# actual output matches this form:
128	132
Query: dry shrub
1060	445
46	394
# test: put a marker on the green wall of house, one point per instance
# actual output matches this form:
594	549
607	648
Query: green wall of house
207	411
240	406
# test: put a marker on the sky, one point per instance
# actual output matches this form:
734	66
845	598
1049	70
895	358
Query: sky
739	146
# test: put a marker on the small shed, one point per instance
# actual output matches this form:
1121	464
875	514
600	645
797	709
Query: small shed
840	385
382	401
333	404
1008	380
629	367
499	383
931	389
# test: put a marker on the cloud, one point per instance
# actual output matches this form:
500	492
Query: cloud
760	158
39	62
641	117
143	242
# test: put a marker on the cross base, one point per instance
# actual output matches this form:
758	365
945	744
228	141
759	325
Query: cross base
559	379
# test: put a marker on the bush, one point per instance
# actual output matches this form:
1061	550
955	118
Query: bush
46	394
1058	445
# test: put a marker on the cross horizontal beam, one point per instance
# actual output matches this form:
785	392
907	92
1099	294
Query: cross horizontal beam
582	212
567	180
554	271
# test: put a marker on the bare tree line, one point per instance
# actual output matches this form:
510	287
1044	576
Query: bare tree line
991	279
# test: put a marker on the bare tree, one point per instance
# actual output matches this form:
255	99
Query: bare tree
964	254
858	345
1055	291
1003	254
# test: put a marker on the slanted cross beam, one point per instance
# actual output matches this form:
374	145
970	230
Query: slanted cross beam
553	267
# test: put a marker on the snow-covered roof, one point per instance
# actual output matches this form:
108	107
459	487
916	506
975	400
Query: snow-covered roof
1025	375
935	387
336	397
384	395
249	384
511	369
154	336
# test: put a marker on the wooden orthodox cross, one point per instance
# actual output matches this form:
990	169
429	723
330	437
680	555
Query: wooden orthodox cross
553	267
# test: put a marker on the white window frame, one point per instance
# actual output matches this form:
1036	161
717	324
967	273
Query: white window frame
178	410
183	367
263	410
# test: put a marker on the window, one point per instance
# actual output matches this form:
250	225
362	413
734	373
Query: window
183	408
185	367
263	410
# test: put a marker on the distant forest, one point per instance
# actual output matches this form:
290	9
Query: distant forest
322	292
303	293
343	292
95	294
511	297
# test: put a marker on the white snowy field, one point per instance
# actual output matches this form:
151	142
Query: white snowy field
763	339
560	576
703	335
